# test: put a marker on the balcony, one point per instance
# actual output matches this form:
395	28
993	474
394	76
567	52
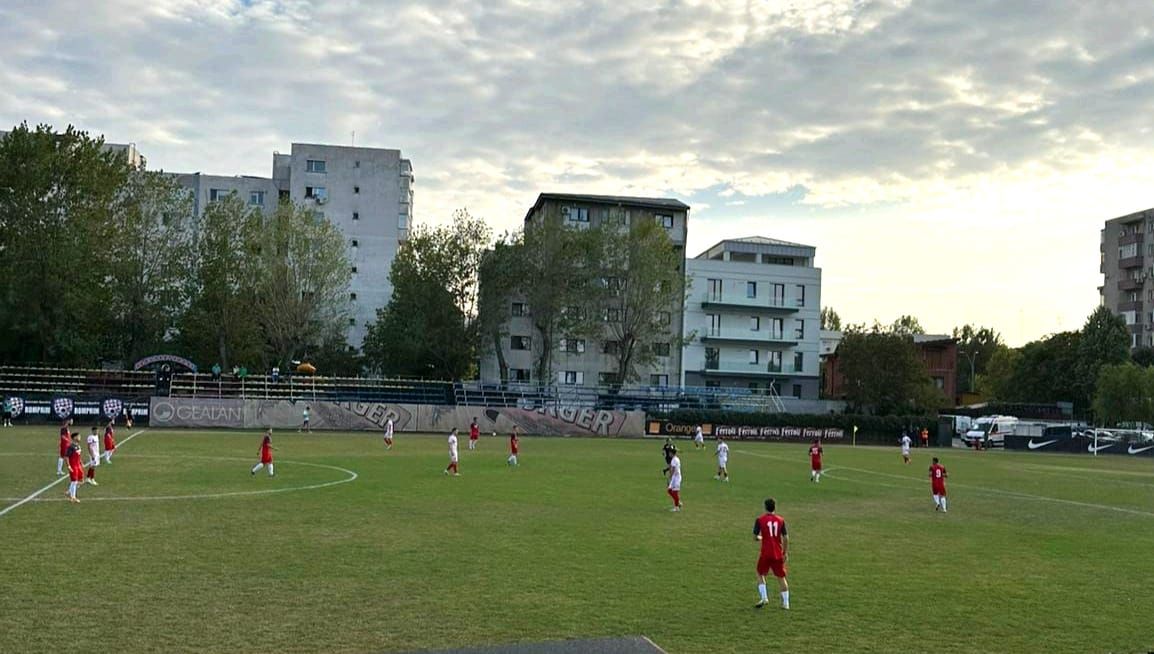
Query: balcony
746	336
1131	284
1131	238
742	303
712	369
1130	306
1131	262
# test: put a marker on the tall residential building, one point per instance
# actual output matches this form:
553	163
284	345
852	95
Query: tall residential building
753	314
589	362
366	192
1127	251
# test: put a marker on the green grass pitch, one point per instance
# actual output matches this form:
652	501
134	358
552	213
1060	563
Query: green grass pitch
180	549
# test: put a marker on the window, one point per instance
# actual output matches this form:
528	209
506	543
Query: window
776	329
664	220
610	347
778	295
661	349
714	324
519	343
356	164
754	357
571	377
354	270
664	317
256	198
799	331
573	313
318	193
606	378
612	314
797	391
215	194
715	290
712	383
798	362
352	322
518	374
573	345
614	285
619	217
314	166
712	358
751	289
356	215
658	380
1127	251
356	243
801	295
356	190
282	195
754	323
353	296
519	309
774	361
576	214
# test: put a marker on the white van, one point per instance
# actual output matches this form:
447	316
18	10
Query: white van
990	431
961	424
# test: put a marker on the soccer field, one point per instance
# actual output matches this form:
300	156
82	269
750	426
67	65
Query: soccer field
354	549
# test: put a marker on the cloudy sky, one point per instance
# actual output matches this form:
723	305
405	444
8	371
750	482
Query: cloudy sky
952	160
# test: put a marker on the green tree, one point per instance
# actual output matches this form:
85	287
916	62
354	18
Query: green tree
1125	392
977	344
1045	371
830	321
645	289
1104	340
998	381
1143	356
884	374
906	326
499	280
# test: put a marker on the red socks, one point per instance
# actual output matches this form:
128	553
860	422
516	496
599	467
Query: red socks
676	495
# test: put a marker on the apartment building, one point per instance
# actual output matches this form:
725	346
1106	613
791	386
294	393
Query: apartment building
753	314
1127	265
589	362
366	192
131	154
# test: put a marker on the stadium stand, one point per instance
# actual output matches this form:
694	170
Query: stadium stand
36	382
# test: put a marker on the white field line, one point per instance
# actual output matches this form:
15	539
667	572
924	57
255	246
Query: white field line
980	489
33	496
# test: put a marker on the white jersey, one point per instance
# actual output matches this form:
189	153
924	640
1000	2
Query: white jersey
93	445
453	447
722	453
675	473
905	444
389	428
697	437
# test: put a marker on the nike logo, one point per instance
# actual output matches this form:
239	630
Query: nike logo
1131	449
1033	446
1094	450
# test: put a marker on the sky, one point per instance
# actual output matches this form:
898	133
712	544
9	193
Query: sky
950	160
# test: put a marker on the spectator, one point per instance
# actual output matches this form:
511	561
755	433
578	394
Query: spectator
925	437
216	372
275	374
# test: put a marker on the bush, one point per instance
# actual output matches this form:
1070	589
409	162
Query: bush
871	429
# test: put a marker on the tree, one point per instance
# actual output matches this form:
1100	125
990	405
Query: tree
1104	340
499	277
998	381
643	290
907	326
1124	393
1143	356
977	344
884	374
1045	371
830	321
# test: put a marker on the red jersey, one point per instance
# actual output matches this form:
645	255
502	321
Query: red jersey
513	444
109	438
815	457
938	478
474	431
771	528
65	441
266	450
73	454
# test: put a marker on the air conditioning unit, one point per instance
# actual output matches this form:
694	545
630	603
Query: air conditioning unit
564	211
319	200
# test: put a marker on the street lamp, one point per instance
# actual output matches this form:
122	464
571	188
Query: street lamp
971	356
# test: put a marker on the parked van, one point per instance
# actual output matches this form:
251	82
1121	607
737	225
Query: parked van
990	431
961	424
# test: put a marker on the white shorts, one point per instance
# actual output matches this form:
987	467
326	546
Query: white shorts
699	439
905	451
675	483
95	458
721	462
452	458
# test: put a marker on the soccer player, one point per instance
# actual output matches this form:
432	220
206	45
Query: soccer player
815	461
305	420
905	441
109	441
75	468
128	417
7	412
93	442
389	434
65	441
474	434
266	450
669	449
675	480
770	530
698	438
514	442
722	460
452	467
938	485
925	437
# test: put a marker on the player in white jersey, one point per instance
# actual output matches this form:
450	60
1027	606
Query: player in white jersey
452	467
675	481
722	460
93	442
389	434
698	438
905	441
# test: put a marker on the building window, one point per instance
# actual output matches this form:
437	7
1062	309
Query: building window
778	295
776	329
664	220
356	190
797	391
611	347
318	193
518	374
659	380
256	198
751	289
715	290
612	314
576	214
606	378
754	357
661	349
798	362
774	361
714	324
614	285
799	331
356	243
664	317
354	270
356	215
519	309
618	217
712	358
352	322
215	194
519	343
353	296
314	166
801	295
754	323
356	164
712	383
572	377
573	345
282	195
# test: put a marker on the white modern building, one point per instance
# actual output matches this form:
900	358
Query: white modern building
366	192
752	318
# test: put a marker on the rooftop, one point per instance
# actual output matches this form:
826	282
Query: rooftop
652	203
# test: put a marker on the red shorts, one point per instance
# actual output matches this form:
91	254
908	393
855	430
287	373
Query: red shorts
76	474
939	489
816	465
472	437
765	565
266	459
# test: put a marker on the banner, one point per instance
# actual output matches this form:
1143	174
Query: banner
746	432
81	411
1078	445
372	416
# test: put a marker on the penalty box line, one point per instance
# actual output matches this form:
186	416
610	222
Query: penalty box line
59	479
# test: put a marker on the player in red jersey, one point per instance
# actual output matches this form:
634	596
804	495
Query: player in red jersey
65	441
770	530
938	485
815	461
514	443
266	449
109	442
474	434
75	467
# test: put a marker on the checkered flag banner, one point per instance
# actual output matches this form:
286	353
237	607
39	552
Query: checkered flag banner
112	408
62	407
17	405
